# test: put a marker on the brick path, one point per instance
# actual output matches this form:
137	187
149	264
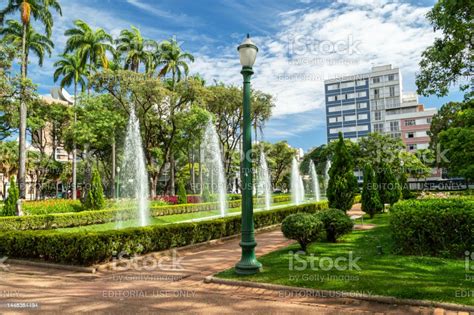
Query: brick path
162	291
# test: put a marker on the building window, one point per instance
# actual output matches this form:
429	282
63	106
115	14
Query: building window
333	87
391	77
412	147
347	84
349	107
428	120
378	127
378	115
362	105
349	117
410	122
410	135
360	82
362	94
376	80
363	116
392	91
376	93
333	109
394	126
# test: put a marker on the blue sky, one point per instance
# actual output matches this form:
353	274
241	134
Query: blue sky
301	43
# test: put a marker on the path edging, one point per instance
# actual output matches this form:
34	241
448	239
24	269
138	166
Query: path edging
350	295
91	269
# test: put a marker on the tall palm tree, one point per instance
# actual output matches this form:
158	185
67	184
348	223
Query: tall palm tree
36	43
174	60
91	45
40	10
134	47
73	71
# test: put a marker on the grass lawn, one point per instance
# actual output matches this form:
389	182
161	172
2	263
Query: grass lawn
410	277
167	219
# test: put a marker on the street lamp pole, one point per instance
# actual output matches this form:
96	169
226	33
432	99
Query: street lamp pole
248	263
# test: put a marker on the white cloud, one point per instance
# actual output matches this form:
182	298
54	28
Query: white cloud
381	32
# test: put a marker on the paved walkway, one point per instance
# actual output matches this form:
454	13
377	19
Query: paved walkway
167	291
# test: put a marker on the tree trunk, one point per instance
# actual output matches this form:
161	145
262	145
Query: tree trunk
200	171
193	173
172	175
112	190
74	151
23	115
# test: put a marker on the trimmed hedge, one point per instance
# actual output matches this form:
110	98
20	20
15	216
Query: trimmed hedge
87	248
63	220
433	227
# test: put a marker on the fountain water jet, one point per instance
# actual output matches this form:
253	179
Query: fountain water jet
264	186
134	175
211	158
326	176
314	181
297	187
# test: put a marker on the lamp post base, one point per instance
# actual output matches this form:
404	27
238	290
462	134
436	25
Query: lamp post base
248	264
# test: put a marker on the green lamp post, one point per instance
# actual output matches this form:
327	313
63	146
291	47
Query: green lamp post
248	264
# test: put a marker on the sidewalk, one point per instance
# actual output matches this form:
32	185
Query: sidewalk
162	291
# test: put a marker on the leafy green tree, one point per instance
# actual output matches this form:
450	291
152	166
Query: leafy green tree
389	188
406	193
91	45
95	196
458	142
182	199
9	209
371	203
342	185
40	11
206	194
450	58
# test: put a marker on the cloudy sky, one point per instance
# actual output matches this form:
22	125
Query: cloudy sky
301	44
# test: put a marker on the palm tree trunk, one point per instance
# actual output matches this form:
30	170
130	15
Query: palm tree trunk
74	151
112	191
23	114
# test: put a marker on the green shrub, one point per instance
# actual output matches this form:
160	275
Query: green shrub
302	227
342	185
389	188
9	209
371	203
434	227
206	194
124	212
358	198
182	199
87	248
335	222
95	195
406	193
51	206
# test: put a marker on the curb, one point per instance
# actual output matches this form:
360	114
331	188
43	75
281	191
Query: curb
52	266
341	294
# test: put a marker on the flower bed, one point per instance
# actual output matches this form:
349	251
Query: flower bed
63	220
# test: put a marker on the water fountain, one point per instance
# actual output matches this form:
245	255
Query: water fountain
314	181
326	176
134	176
213	166
297	188
264	186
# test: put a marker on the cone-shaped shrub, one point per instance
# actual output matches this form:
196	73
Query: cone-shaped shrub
95	197
9	209
371	203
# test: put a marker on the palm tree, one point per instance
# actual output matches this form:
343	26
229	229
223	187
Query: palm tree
8	161
40	10
134	48
173	60
73	71
91	45
37	43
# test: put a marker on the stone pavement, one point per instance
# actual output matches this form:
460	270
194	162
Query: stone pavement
157	290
